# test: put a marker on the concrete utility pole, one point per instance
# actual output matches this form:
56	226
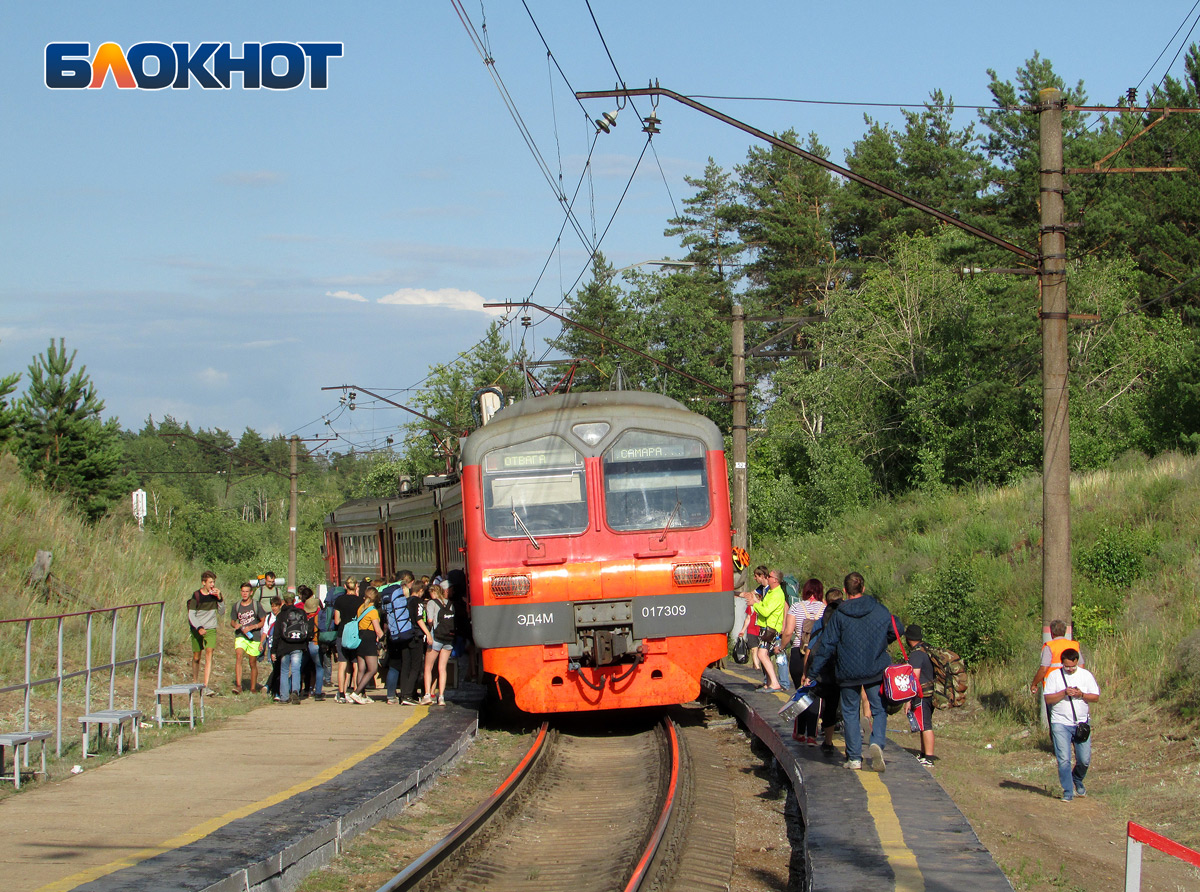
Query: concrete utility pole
1056	444
741	483
293	498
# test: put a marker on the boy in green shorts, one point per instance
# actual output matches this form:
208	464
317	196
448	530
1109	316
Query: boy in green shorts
246	617
203	608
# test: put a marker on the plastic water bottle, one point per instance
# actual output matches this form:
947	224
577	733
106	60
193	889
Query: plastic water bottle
782	670
912	723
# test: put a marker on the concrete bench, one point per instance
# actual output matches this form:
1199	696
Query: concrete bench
15	741
116	720
191	691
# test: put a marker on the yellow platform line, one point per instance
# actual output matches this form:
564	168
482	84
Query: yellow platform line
204	829
900	857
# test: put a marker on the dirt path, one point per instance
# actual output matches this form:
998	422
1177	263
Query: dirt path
1009	792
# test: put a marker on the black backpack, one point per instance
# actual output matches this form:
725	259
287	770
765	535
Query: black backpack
447	622
295	625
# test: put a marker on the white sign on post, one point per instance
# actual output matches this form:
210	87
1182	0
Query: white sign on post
139	506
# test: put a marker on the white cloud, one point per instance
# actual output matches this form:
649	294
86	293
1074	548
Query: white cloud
212	377
346	295
448	298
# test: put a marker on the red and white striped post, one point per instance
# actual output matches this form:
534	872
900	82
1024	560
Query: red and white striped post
1136	837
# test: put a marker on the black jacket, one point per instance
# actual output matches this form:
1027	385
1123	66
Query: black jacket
856	638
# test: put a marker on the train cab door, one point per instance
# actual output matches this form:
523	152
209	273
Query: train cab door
383	571
439	543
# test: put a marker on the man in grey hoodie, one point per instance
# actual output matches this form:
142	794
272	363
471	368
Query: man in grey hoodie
857	638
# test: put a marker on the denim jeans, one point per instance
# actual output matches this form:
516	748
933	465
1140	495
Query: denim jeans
851	722
1071	780
314	654
289	673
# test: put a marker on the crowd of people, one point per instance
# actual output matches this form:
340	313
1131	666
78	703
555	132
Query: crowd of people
364	637
836	642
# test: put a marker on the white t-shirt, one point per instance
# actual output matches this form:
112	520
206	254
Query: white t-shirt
1060	712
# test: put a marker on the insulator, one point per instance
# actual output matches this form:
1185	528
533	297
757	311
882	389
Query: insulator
1131	95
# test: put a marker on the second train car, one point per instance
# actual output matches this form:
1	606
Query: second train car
594	530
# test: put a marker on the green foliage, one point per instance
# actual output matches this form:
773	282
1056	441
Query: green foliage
955	613
1117	557
62	442
1184	678
8	415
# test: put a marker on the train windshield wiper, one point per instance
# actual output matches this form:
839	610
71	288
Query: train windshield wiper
674	511
525	529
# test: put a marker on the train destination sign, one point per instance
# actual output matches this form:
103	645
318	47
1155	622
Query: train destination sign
545	452
655	451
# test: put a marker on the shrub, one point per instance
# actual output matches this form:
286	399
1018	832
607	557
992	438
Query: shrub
1117	558
955	614
1185	679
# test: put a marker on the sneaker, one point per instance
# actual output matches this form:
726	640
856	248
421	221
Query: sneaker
441	700
876	756
1067	798
393	701
408	701
425	701
294	698
318	696
852	764
827	749
278	699
340	698
1081	792
925	760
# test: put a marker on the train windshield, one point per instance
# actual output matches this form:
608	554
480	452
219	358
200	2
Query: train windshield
534	488
654	481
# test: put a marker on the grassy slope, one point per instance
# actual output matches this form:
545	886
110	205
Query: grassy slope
1148	749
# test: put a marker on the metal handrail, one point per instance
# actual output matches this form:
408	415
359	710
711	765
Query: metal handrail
61	676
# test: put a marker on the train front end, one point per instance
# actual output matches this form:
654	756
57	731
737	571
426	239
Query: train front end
598	551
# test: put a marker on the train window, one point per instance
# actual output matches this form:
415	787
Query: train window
652	479
538	484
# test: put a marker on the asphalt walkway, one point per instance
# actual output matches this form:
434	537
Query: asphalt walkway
146	805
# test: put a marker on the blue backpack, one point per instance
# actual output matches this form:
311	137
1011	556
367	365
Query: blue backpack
326	631
395	609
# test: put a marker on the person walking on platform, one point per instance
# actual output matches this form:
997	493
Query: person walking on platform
770	609
857	638
293	631
1052	650
203	615
749	630
1070	690
312	672
366	655
406	642
345	609
247	618
921	708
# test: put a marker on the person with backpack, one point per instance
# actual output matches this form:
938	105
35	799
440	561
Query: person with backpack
406	641
293	631
797	630
827	686
366	652
247	618
770	609
921	708
312	672
442	627
345	609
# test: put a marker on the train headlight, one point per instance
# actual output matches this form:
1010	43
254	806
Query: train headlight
700	573
591	432
510	586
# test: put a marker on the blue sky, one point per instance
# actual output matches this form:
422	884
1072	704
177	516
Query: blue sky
220	255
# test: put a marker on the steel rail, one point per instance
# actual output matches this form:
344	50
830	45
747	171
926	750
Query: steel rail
642	877
450	843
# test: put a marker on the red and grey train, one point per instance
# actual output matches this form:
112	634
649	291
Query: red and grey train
594	531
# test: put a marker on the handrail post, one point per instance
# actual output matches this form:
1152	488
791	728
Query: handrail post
162	624
137	655
58	720
1133	865
112	663
28	668
87	674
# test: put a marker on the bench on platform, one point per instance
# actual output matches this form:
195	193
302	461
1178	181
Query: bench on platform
15	741
192	691
116	721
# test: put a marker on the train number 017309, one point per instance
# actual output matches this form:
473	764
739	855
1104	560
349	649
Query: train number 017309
665	610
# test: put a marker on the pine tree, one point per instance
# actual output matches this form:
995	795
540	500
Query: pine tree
62	441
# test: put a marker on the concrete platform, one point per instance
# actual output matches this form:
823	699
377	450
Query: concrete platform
208	812
897	830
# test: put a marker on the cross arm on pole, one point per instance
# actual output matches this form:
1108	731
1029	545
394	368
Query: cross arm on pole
815	159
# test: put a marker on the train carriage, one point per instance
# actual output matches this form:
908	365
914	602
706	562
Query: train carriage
596	535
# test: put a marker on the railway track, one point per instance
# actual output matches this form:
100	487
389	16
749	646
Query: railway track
588	812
